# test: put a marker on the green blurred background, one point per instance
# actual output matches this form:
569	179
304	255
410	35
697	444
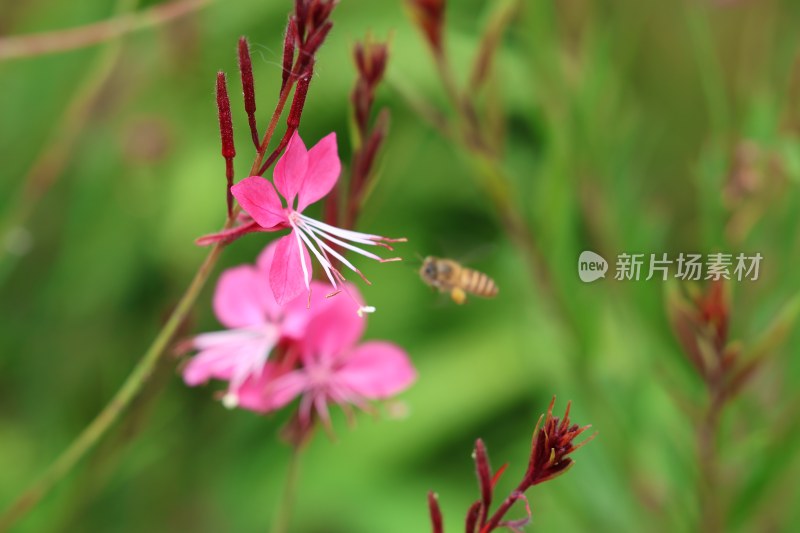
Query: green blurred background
625	122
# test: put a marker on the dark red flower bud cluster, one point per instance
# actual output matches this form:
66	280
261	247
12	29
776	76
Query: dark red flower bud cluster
370	59
701	324
306	30
552	443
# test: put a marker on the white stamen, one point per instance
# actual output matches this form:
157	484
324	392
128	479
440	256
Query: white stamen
326	264
230	400
365	309
343	244
330	250
302	260
355	236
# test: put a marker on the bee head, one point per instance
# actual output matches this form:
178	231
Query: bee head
428	269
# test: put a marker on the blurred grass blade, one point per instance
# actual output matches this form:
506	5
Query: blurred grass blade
771	340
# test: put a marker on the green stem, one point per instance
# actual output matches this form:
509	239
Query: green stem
98	427
141	372
283	515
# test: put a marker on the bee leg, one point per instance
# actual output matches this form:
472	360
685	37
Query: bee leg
458	295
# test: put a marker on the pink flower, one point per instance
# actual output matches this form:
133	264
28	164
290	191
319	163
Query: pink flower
244	303
302	177
333	368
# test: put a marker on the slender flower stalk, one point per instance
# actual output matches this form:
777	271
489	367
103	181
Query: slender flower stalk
283	514
118	25
86	440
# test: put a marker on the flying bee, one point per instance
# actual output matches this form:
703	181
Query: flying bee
449	276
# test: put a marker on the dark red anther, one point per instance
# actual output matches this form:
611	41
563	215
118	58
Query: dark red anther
248	87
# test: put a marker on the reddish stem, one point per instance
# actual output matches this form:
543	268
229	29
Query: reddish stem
498	515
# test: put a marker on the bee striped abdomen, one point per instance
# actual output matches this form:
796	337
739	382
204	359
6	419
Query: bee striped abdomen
478	283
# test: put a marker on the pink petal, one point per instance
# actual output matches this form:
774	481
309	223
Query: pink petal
218	356
207	365
297	313
264	265
323	171
242	297
257	196
272	390
377	370
290	170
335	328
286	276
